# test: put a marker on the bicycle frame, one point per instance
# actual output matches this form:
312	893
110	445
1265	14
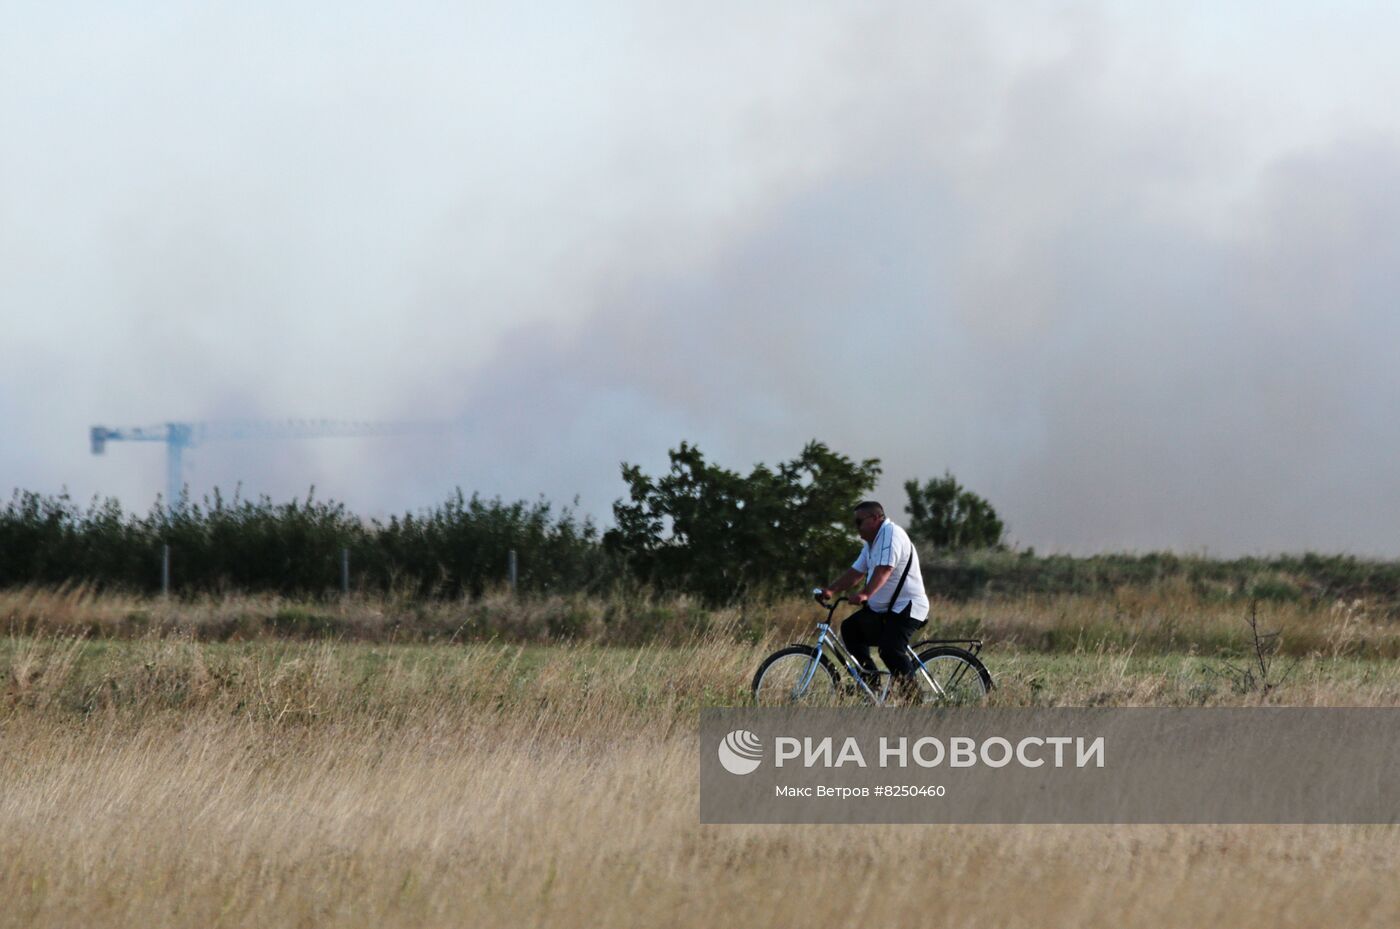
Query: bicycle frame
827	640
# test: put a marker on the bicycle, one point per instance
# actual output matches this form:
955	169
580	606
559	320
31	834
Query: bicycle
945	673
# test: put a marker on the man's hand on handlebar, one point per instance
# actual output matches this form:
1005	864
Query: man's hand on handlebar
823	596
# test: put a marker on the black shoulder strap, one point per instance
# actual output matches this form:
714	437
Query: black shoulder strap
909	563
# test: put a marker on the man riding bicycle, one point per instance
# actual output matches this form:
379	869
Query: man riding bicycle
893	603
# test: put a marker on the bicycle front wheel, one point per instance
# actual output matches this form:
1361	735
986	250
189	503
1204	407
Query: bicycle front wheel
795	675
951	676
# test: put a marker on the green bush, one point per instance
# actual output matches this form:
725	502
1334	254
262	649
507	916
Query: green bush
707	530
220	545
945	515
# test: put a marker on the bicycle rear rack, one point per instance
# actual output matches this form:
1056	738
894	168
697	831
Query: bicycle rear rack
974	646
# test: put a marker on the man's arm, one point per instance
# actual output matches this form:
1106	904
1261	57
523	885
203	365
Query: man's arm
877	580
844	582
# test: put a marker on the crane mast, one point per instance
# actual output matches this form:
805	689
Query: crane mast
179	436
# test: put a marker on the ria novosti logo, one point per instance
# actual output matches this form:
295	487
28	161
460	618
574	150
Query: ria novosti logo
741	752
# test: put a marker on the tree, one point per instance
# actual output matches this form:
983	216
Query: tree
714	532
947	515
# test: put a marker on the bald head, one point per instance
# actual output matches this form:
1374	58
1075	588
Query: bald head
869	508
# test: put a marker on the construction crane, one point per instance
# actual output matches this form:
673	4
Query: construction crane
180	436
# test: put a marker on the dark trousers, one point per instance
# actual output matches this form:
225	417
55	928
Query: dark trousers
889	632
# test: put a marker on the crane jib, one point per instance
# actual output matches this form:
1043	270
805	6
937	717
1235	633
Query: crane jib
179	436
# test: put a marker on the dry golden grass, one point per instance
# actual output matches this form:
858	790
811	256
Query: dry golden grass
168	782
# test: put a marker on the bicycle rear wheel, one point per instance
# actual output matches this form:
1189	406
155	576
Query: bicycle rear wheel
951	677
794	675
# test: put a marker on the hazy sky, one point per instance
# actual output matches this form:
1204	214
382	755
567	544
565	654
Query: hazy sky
1131	271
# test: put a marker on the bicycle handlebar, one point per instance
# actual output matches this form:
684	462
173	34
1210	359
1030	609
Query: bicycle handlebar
830	607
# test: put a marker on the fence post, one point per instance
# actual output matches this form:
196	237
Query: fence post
345	570
512	569
165	571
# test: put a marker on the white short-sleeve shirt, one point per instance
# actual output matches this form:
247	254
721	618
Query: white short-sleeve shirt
893	547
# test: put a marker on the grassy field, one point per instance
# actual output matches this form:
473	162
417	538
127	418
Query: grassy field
1165	617
153	778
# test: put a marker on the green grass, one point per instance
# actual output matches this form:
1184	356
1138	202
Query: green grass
330	679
